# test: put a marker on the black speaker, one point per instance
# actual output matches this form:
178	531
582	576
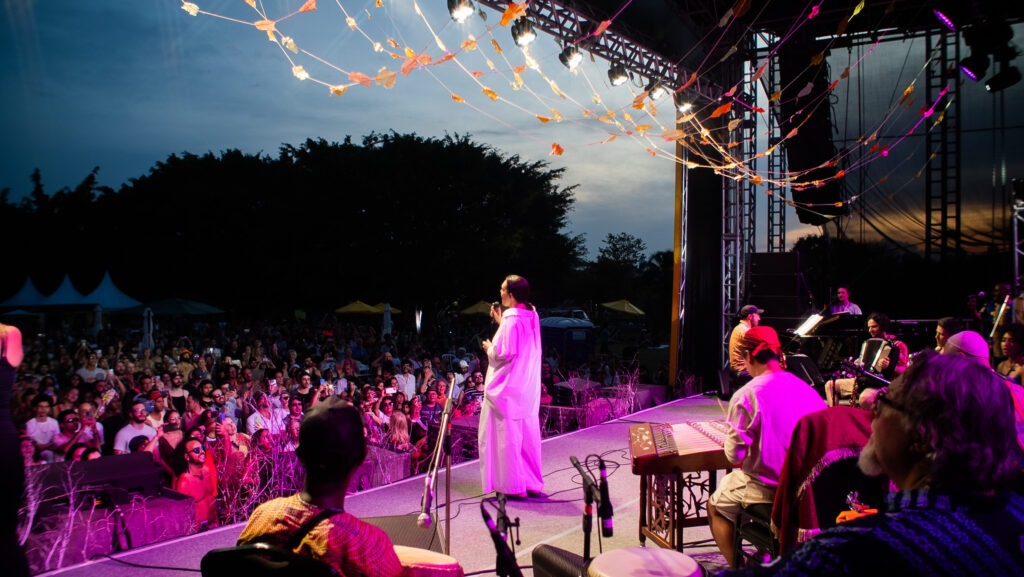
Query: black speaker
403	530
551	561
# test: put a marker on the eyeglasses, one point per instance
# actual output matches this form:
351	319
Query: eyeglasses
197	450
218	396
883	399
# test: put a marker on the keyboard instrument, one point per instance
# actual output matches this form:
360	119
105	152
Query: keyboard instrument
692	446
678	465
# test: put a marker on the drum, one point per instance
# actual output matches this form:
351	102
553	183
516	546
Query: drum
427	563
644	562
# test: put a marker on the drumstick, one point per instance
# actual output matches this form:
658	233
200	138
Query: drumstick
721	406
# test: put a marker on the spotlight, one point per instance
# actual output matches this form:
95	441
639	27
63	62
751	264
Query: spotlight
974	66
655	90
682	105
1005	78
570	57
523	33
617	75
460	10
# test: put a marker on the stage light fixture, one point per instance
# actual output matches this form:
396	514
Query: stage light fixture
1006	77
523	33
617	75
570	57
656	90
944	19
460	10
974	66
683	105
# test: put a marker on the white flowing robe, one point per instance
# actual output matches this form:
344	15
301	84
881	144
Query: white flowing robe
509	435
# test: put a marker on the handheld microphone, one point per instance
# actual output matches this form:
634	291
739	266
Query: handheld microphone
588	481
424	520
604	508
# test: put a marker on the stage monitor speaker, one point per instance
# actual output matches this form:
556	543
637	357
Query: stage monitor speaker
805	368
775	263
551	561
403	530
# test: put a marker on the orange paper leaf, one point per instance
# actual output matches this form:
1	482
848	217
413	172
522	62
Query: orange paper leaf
360	78
740	7
386	78
496	46
514	11
265	25
477	73
519	69
490	93
543	119
309	6
693	78
723	109
609	139
338	90
651	151
445	58
469	44
556	149
670	135
457	98
602	27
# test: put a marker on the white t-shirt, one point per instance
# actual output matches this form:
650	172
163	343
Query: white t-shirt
127	433
42	432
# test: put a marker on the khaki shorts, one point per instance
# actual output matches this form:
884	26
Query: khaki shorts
737	489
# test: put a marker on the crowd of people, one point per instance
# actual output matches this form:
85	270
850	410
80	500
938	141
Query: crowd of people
220	409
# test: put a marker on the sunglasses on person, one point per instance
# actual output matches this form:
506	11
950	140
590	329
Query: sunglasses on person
197	450
70	421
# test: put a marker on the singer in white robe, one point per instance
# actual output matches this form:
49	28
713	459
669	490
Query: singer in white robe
509	434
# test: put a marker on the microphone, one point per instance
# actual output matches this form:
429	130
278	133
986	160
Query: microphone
588	481
604	508
505	565
424	520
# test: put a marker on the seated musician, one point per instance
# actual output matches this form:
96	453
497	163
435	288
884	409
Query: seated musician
749	317
883	356
762	415
943	432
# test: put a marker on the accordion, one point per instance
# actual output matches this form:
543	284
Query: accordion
872	352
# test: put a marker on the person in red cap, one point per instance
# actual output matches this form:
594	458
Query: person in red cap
762	415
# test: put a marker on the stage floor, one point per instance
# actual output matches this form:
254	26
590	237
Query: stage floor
556	521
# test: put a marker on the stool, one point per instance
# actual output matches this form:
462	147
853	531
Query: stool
427	563
644	562
754	524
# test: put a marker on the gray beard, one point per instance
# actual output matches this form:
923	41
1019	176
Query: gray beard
867	462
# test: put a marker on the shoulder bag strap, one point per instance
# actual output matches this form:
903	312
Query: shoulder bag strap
306	527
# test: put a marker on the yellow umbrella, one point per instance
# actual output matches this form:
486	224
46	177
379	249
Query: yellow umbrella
480	308
623	306
357	307
380	308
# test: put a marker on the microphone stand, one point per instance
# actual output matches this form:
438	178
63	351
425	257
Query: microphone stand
443	446
588	506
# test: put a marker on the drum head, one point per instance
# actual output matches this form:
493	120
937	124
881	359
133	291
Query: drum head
426	563
644	562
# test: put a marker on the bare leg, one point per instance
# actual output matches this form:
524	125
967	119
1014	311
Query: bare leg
724	531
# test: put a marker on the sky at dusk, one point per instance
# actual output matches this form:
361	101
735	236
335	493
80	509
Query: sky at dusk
123	85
